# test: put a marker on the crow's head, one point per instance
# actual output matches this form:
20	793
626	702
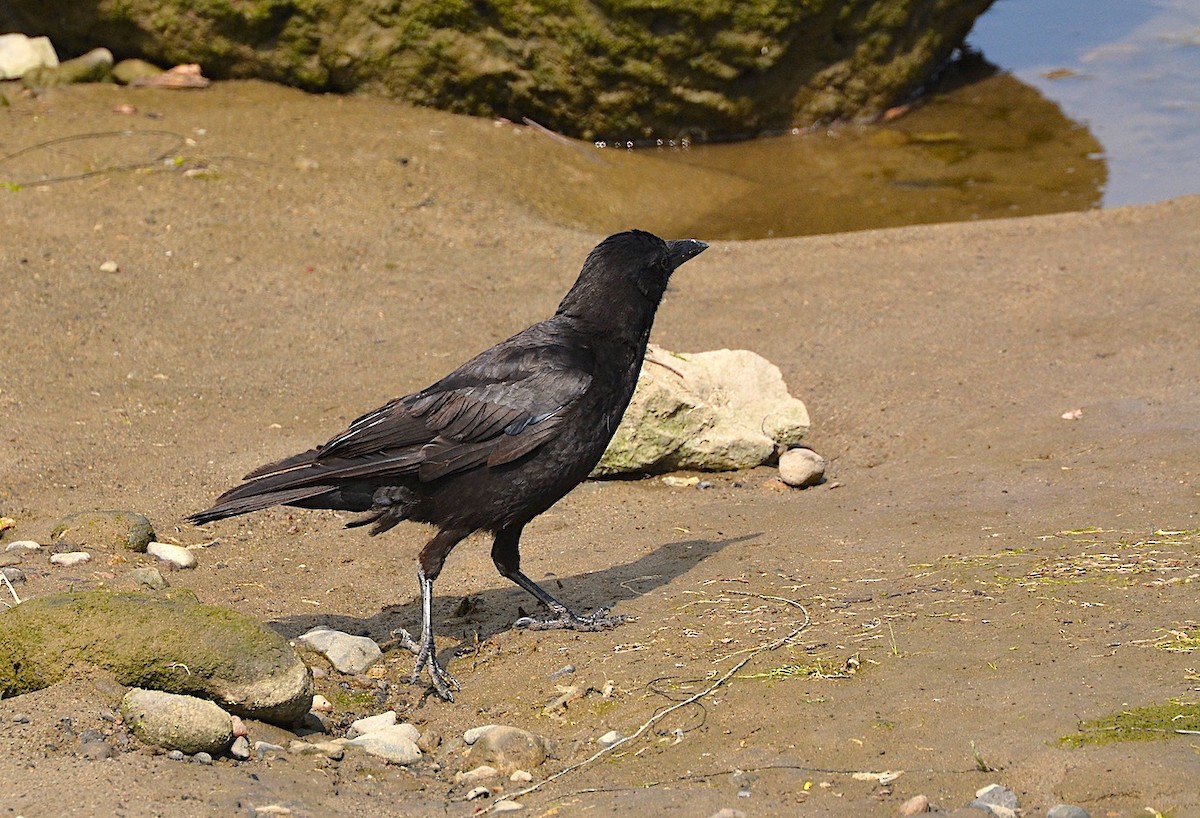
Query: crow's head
628	270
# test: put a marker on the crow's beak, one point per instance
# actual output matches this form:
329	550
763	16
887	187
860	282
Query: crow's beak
683	250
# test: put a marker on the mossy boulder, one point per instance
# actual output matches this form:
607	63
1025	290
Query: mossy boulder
615	69
168	642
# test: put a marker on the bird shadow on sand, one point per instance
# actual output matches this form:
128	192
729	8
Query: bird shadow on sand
493	610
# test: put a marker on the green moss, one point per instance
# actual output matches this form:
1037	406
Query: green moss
1147	723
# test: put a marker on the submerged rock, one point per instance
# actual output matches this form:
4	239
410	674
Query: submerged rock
710	411
506	748
167	641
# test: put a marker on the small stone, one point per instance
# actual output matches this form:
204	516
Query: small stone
131	70
479	792
565	670
176	755
1000	801
150	578
20	54
508	748
96	750
261	748
330	749
1067	811
801	468
202	758
728	812
915	805
114	530
321	705
372	723
506	805
676	482
94	66
480	773
240	748
110	267
175	722
271	810
429	741
394	744
238	727
175	555
20	718
521	777
348	654
70	558
22	545
609	739
13	574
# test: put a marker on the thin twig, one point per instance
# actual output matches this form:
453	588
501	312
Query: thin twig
179	142
11	590
660	715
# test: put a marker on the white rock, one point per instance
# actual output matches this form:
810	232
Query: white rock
334	749
478	792
348	654
22	545
175	555
521	777
321	705
110	266
240	748
68	558
391	743
801	467
20	54
507	806
478	774
372	723
608	739
710	411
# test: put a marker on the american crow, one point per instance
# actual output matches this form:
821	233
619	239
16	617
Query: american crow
497	441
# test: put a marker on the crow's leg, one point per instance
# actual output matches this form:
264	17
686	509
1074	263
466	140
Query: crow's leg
506	555
430	561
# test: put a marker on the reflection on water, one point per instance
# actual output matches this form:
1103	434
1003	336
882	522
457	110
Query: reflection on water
1128	68
985	146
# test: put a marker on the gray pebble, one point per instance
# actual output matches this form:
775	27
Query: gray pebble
96	750
176	755
348	654
20	718
13	574
565	670
396	744
261	748
801	467
150	578
240	748
70	558
22	546
202	758
1067	811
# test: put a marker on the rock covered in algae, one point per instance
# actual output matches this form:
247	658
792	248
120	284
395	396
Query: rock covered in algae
169	642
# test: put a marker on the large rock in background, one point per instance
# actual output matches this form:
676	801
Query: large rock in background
619	69
712	411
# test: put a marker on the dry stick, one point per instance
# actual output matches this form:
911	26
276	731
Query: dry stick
11	590
657	717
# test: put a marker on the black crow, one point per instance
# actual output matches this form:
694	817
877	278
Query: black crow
497	441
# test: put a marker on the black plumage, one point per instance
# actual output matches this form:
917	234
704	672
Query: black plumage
497	441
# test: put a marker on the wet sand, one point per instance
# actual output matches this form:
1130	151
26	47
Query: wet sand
326	254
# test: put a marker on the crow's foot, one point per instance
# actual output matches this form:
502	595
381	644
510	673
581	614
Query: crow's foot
442	681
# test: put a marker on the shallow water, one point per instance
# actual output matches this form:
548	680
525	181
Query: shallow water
1095	104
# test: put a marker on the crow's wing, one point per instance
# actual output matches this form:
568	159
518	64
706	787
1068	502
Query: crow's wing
494	409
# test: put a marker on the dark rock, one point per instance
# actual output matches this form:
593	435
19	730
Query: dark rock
659	68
